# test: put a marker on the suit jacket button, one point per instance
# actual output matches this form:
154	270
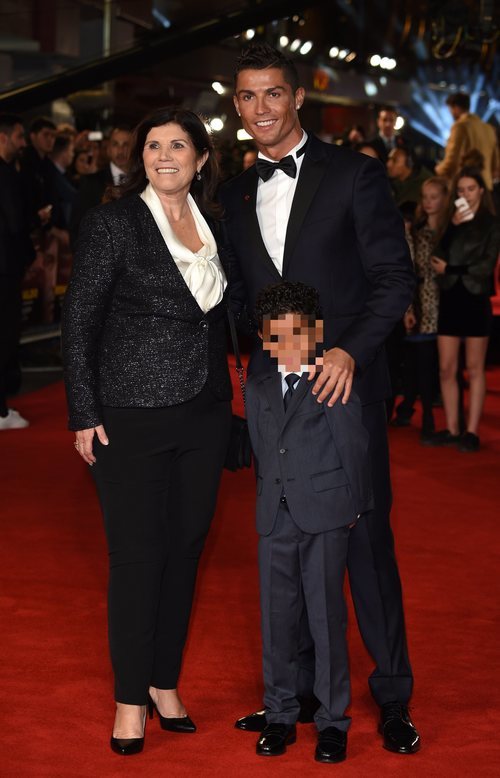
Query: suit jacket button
277	480
282	450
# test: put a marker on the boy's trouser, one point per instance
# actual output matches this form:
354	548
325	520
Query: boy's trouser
294	564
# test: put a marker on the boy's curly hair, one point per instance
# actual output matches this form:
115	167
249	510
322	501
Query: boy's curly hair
287	297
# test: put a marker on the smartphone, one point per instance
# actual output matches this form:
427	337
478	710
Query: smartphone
95	135
462	205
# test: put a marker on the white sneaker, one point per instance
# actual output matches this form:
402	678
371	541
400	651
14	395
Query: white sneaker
13	421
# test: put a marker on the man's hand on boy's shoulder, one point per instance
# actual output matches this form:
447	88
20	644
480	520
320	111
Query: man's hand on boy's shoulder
335	378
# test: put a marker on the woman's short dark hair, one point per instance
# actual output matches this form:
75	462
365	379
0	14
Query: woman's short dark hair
287	297
203	191
260	56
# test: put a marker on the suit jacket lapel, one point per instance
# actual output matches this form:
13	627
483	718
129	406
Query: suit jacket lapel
311	173
272	385
251	227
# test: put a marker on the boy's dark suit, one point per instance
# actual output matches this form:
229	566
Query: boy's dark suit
346	239
315	458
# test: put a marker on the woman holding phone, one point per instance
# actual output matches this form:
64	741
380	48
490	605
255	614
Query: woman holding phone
465	261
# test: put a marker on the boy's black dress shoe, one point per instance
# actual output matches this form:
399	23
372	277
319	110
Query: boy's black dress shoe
275	738
332	745
398	729
256	722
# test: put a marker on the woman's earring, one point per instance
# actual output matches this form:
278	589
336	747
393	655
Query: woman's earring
198	175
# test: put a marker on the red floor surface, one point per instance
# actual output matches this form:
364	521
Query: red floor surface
55	680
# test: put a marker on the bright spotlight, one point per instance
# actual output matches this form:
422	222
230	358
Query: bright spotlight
352	55
370	88
217	87
383	80
216	124
399	123
243	135
391	64
295	44
384	63
306	47
284	41
250	34
334	52
375	60
343	53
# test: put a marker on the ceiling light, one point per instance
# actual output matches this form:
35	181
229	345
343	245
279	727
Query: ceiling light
391	64
243	135
296	44
352	55
384	62
334	52
343	53
284	41
216	124
399	123
370	88
375	60
217	87
383	80
306	47
250	34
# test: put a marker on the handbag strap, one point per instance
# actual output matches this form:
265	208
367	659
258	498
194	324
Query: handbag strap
237	355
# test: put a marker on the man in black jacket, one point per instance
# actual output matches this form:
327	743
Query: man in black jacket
316	213
16	253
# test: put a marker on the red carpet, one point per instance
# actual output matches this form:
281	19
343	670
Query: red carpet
57	706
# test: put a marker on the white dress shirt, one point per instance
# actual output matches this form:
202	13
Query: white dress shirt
202	270
274	202
117	174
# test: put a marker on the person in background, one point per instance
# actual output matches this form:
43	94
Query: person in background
93	186
354	136
16	253
83	165
387	138
35	170
367	148
249	158
148	387
62	191
467	133
406	176
421	320
465	260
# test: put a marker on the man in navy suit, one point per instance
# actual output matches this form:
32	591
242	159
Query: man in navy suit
323	215
313	485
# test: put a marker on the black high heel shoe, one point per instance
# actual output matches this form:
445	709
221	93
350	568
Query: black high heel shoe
126	746
181	724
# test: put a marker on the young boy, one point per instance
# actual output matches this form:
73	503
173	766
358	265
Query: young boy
313	483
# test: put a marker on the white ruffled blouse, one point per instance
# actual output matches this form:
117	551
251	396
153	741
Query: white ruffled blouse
202	270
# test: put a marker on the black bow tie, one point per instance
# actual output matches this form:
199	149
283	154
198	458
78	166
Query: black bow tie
266	169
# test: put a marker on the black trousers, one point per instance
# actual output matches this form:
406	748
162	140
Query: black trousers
157	482
375	583
420	377
10	327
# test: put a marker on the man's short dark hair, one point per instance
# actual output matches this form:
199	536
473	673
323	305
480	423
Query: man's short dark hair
287	297
8	121
61	143
260	56
42	123
388	108
460	100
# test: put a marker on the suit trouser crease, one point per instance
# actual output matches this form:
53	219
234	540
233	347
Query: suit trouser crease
298	568
157	482
374	582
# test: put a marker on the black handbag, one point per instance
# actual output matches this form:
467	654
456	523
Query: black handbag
239	450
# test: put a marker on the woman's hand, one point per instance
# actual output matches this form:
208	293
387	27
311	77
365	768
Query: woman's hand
83	442
438	265
462	215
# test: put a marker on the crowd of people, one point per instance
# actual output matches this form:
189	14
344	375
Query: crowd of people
307	248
